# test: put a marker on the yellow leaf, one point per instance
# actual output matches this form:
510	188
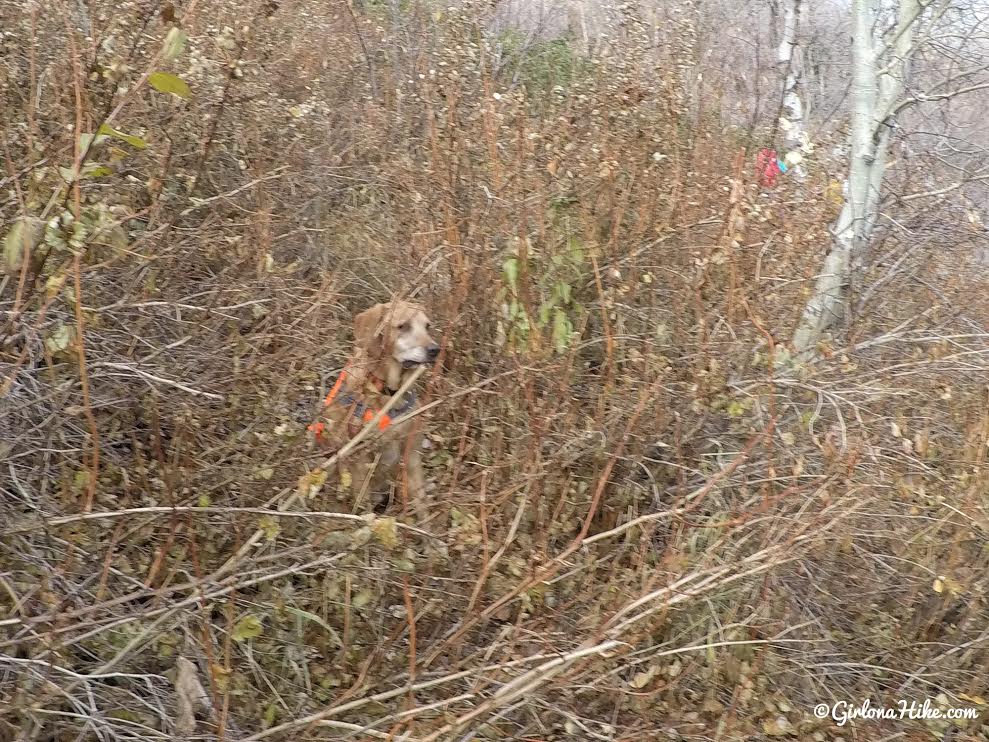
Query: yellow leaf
977	700
80	481
386	531
163	82
954	586
248	627
54	284
834	194
270	527
938	585
642	679
310	484
221	676
362	598
736	408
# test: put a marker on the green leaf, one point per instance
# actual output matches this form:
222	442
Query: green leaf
511	269
544	313
53	235
561	330
576	251
132	140
517	315
563	292
175	43
249	627
59	340
86	140
269	716
115	236
164	82
89	170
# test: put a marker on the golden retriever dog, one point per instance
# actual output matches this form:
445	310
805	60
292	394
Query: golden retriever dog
391	341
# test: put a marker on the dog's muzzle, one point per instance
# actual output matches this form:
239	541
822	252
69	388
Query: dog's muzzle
432	351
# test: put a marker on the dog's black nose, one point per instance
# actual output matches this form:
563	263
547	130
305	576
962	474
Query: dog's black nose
432	351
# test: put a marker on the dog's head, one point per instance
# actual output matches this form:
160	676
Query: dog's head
397	331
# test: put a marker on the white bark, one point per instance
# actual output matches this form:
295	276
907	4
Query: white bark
788	61
876	94
891	84
577	21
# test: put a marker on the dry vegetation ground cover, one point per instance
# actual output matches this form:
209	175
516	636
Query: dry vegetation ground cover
645	520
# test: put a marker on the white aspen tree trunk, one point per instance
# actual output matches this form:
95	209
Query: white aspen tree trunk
876	94
892	84
792	110
577	21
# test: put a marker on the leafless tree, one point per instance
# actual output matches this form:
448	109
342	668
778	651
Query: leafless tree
887	39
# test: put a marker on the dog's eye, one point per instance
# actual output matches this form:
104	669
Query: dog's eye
403	327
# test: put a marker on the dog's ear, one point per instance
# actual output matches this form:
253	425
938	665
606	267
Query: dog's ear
367	328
